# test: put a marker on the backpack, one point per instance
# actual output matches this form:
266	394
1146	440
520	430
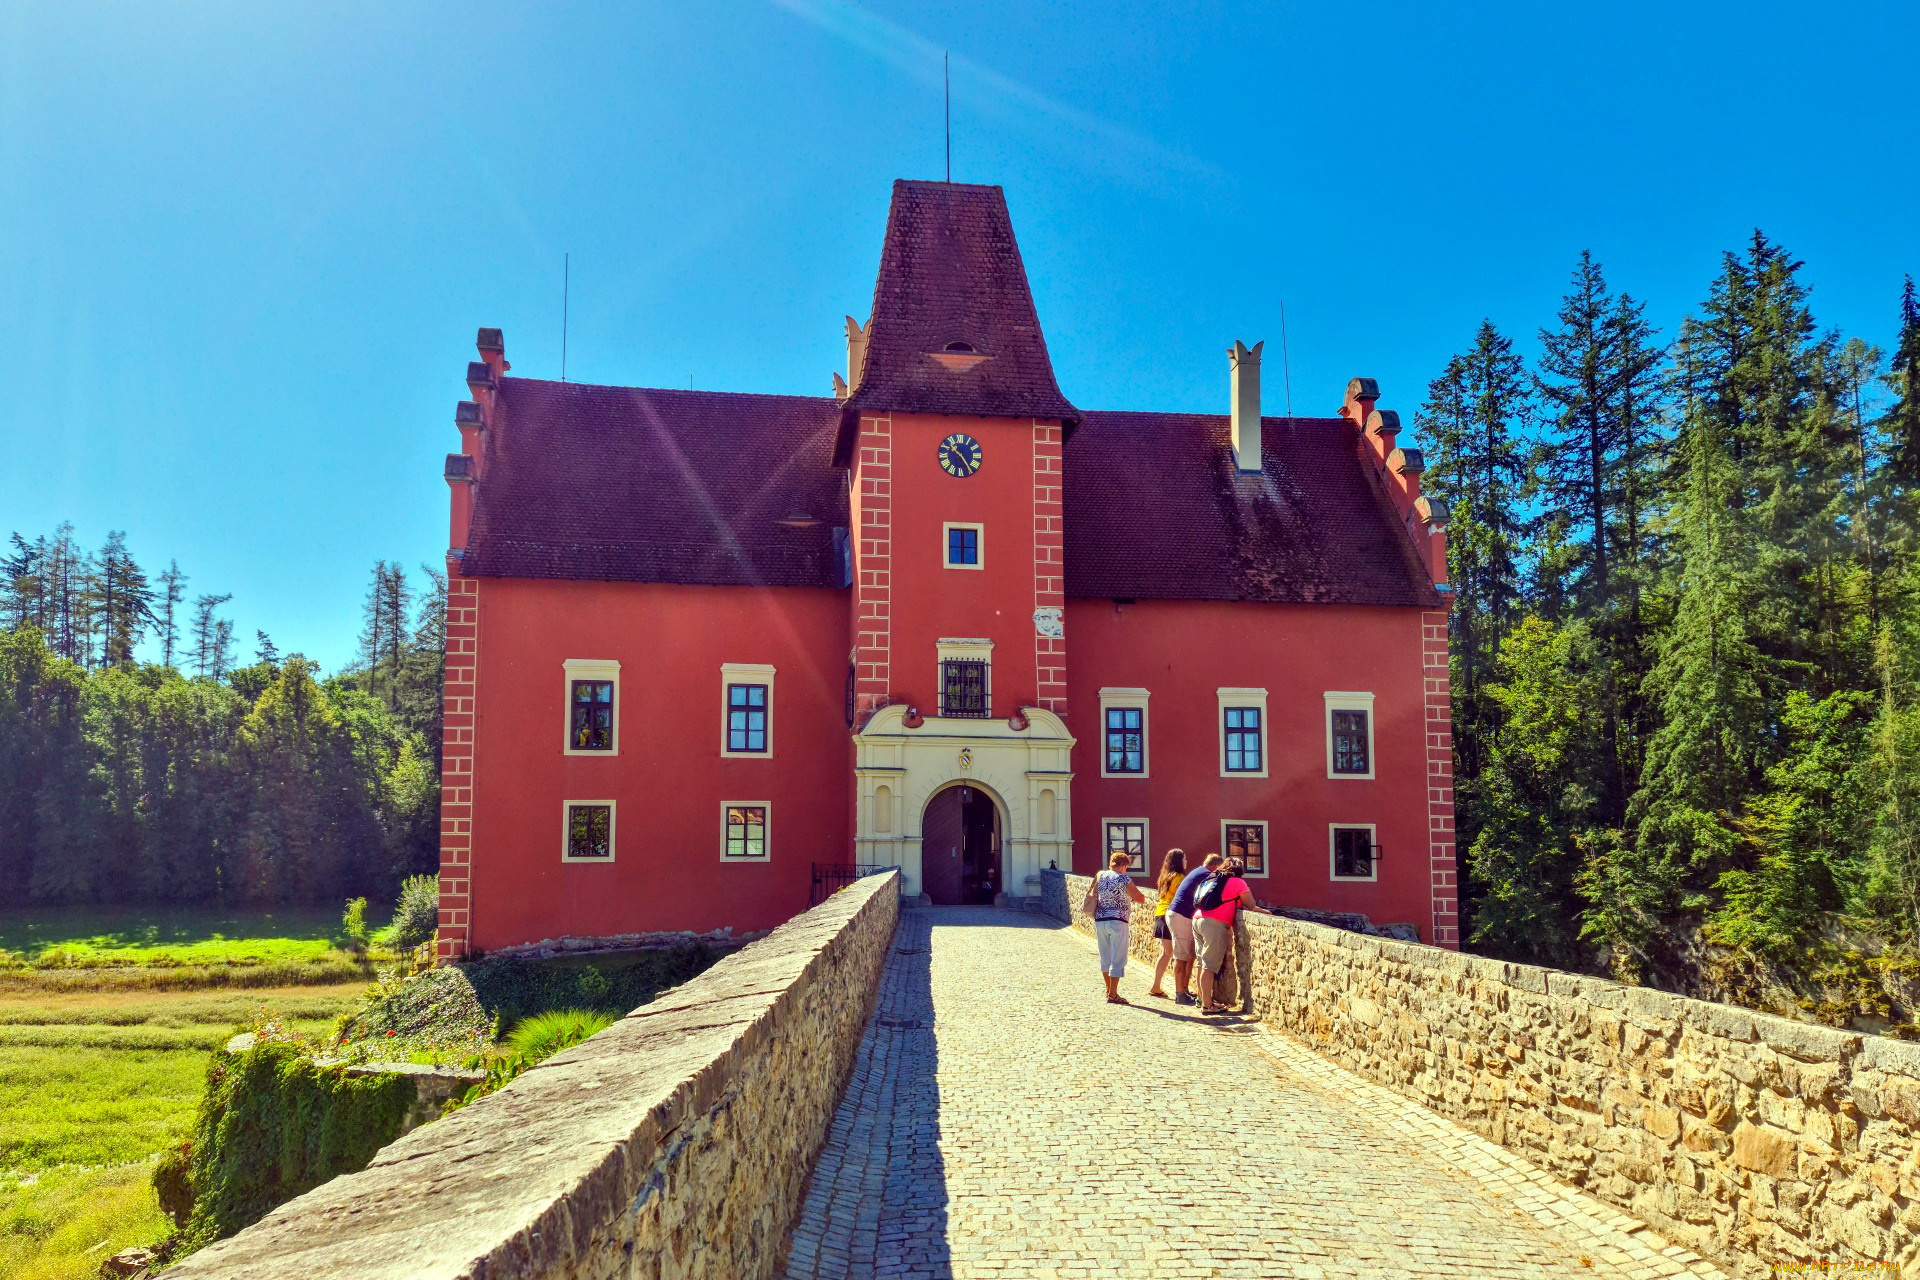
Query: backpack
1212	892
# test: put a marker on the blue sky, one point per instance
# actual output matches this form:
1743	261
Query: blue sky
244	248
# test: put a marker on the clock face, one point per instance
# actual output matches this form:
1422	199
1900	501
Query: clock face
960	455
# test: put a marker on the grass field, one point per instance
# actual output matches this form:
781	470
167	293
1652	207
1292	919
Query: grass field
184	936
98	1070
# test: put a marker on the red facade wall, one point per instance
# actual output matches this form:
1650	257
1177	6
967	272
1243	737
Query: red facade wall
669	779
1182	652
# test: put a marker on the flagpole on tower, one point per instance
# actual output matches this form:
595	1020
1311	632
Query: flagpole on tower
946	84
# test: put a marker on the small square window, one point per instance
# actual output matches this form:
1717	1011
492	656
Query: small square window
744	834
963	546
589	831
747	718
1128	836
1244	754
592	712
1126	740
1352	745
963	688
1355	856
1246	841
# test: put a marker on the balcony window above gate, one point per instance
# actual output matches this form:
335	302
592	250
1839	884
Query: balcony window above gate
593	708
965	674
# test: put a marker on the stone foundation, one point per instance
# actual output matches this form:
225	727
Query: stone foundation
1754	1140
675	1143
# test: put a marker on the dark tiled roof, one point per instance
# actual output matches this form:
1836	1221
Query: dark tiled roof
629	485
950	272
1156	509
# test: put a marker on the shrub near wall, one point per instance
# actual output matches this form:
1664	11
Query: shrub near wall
272	1125
675	1143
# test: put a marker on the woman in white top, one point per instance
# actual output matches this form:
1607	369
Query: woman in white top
1111	900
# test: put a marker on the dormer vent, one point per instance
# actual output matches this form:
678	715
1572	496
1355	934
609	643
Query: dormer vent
1243	366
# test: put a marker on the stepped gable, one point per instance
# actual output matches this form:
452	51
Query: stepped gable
952	283
1155	509
628	484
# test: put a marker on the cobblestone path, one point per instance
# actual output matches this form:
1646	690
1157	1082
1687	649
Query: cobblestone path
1004	1120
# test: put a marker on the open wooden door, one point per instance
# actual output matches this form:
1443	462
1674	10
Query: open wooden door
942	836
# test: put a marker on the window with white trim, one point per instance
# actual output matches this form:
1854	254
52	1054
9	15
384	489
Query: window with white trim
1243	733
1128	836
1246	839
966	545
592	691
1123	728
746	709
1349	735
1353	855
586	831
744	827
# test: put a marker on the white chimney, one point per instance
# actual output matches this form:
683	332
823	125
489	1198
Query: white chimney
1245	367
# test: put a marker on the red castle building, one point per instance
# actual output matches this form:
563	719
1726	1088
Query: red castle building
943	620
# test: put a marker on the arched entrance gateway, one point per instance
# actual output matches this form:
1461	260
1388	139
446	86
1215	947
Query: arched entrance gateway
960	847
969	810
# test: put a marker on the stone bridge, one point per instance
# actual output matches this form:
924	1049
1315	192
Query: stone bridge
1377	1109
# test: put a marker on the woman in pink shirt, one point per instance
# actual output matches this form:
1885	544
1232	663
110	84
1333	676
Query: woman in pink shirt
1220	896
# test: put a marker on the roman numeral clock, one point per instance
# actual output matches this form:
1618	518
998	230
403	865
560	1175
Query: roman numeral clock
960	455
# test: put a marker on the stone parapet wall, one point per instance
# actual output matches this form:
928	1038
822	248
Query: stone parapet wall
1755	1140
675	1143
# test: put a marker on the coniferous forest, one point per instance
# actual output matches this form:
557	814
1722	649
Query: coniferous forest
1686	642
196	775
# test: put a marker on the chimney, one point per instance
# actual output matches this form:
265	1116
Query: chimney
1244	366
856	352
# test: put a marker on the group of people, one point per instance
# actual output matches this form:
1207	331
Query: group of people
1193	919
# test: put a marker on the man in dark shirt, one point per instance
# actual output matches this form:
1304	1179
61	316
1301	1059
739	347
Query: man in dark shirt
1180	925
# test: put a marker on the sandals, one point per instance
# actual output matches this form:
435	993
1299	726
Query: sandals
1215	1010
1158	995
1118	1000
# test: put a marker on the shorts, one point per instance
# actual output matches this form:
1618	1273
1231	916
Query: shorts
1214	937
1112	937
1160	929
1182	927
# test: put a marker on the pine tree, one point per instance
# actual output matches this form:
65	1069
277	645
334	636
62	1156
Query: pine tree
173	591
69	622
1900	429
212	638
265	651
1475	416
24	585
122	600
1710	687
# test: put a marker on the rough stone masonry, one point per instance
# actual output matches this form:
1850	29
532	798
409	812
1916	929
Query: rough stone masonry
674	1144
1755	1140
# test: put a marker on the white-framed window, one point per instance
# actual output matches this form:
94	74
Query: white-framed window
1349	735
586	831
746	831
1246	839
1352	853
1128	836
746	709
591	691
964	677
1123	733
963	546
1243	733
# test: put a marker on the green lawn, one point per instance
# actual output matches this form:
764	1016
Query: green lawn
181	936
92	1084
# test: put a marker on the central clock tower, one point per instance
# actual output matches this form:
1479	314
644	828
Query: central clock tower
952	431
